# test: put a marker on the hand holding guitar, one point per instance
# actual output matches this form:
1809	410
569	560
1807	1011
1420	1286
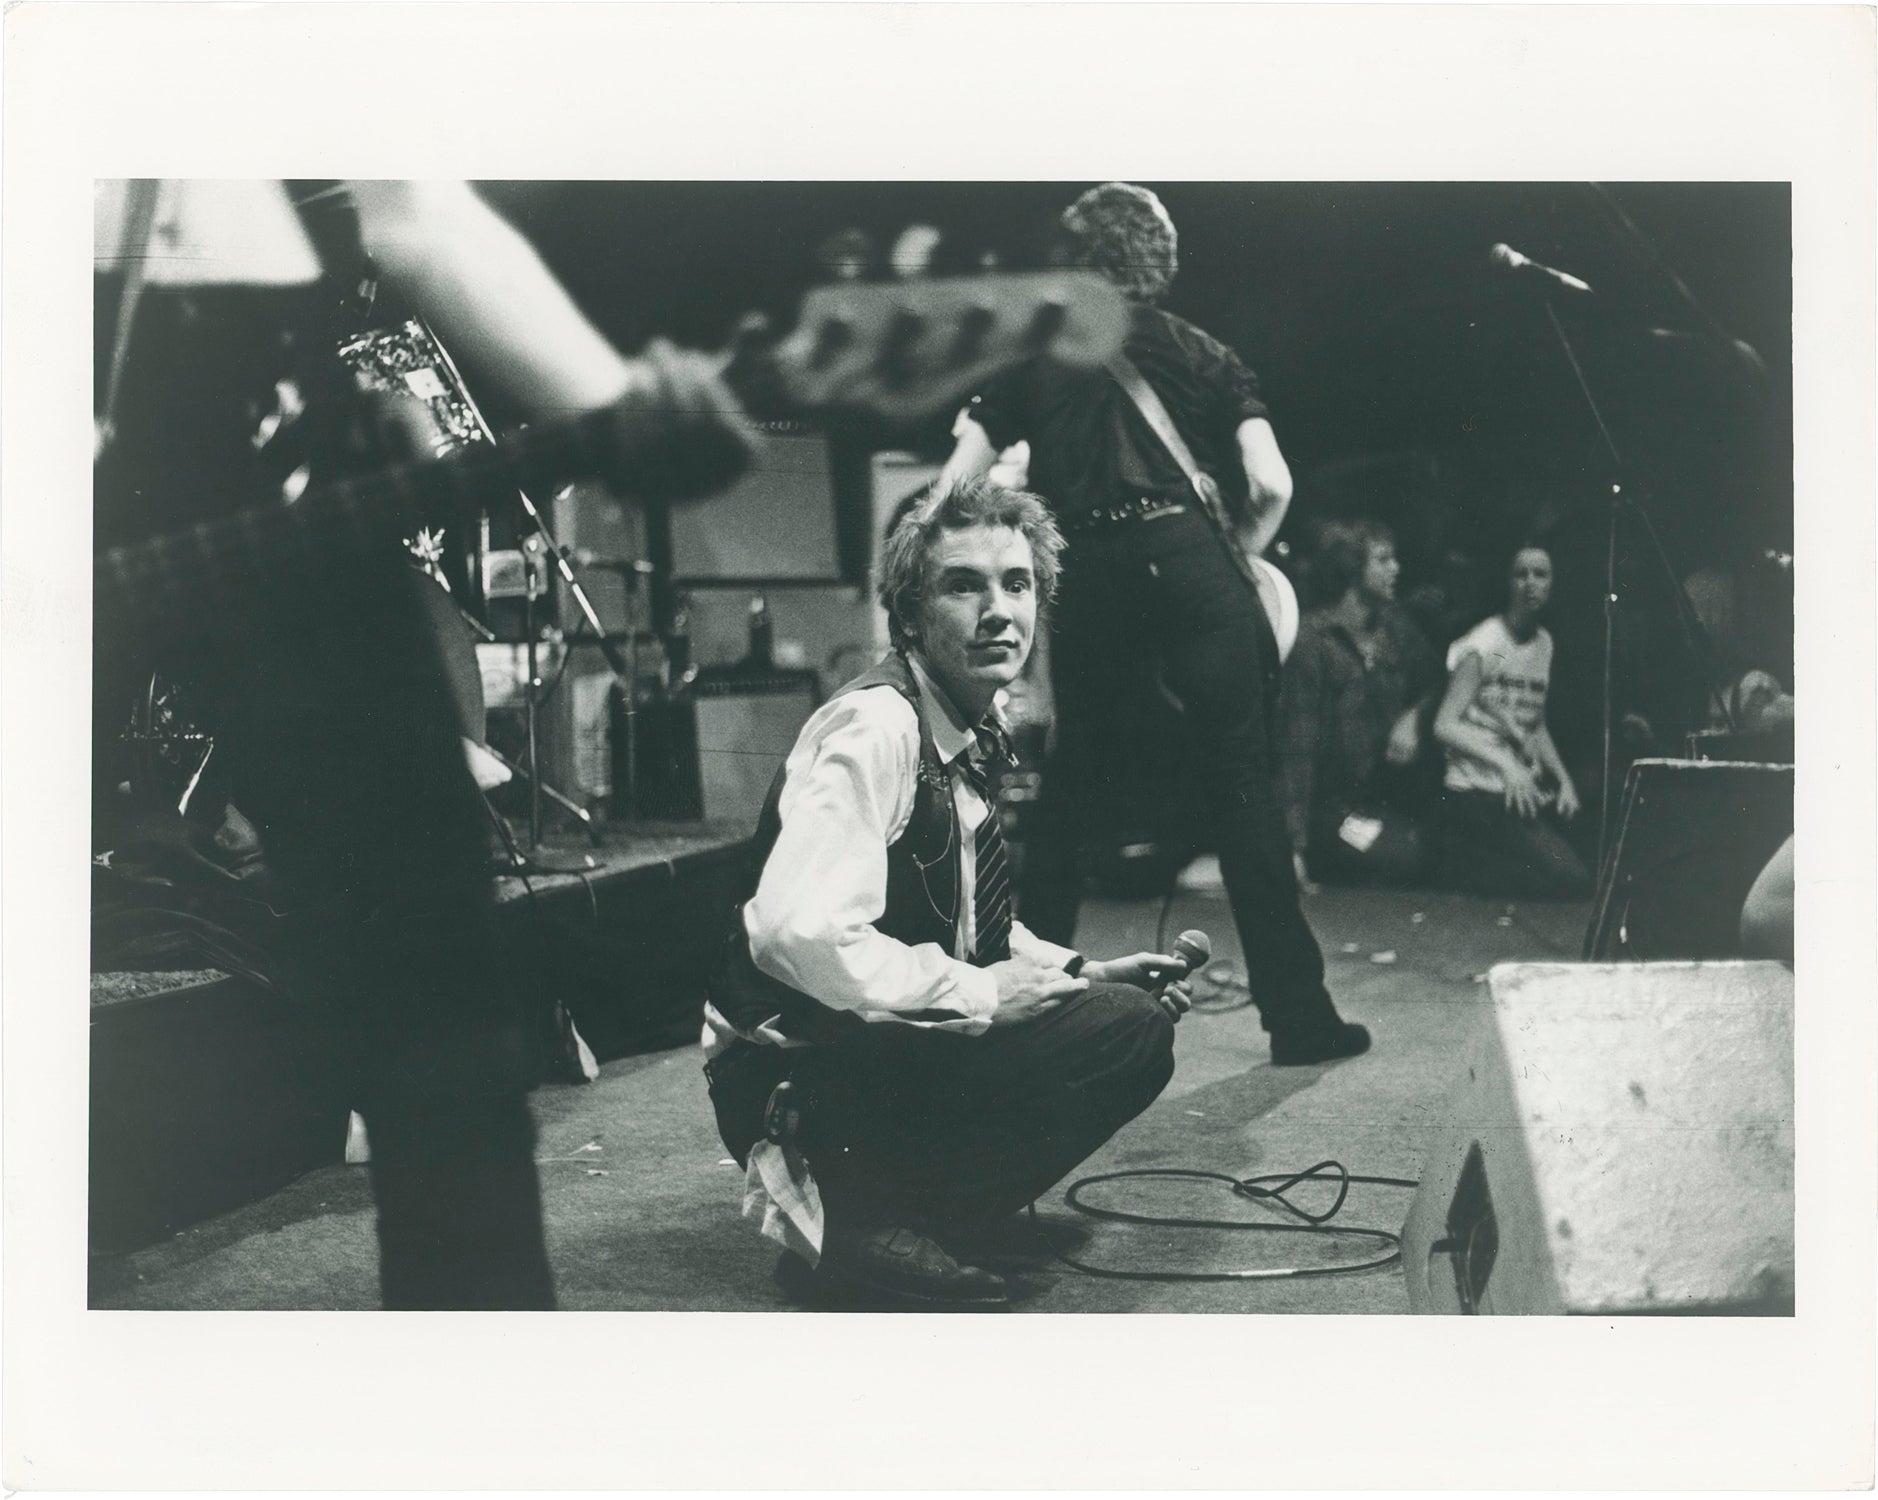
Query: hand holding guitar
676	432
678	429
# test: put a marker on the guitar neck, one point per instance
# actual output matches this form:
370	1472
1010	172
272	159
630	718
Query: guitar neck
895	351
347	518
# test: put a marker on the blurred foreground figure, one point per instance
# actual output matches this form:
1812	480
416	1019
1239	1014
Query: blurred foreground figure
1767	914
333	721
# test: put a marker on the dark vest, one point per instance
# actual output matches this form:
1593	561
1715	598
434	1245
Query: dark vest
922	887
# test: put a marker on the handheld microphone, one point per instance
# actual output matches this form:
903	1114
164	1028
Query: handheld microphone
1505	258
1195	948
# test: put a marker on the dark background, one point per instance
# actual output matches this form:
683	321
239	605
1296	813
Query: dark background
1408	379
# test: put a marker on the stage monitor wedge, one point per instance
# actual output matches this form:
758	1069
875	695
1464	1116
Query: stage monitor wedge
1621	1141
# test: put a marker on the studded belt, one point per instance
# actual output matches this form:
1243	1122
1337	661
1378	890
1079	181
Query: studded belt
1100	517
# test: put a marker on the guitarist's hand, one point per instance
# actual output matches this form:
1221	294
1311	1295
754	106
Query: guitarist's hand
676	433
388	428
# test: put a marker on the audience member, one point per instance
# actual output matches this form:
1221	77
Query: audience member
1745	695
1352	712
1506	789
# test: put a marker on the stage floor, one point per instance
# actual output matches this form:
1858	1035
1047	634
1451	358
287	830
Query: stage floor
642	1206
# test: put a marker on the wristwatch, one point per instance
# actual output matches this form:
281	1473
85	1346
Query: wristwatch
1074	967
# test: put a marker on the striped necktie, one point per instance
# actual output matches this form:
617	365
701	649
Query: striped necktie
991	892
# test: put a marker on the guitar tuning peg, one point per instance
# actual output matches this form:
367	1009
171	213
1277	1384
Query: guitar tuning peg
752	329
896	346
1045	324
974	325
834	335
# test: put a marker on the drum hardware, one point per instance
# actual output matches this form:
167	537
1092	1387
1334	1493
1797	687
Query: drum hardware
532	693
516	859
541	544
466	685
535	584
560	799
534	549
410	361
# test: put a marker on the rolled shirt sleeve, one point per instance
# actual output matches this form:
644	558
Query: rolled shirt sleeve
847	796
1238	388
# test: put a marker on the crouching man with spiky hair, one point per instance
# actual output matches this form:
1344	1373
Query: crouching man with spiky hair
943	1066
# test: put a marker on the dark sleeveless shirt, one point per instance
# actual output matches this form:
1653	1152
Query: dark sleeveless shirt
922	887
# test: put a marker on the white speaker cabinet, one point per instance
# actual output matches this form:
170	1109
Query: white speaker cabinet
1621	1142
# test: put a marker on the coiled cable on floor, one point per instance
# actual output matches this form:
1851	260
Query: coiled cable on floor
1219	987
1251	1188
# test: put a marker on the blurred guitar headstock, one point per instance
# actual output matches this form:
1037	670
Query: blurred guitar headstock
903	349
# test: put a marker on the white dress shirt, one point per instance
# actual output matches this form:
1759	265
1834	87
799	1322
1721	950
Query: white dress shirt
847	795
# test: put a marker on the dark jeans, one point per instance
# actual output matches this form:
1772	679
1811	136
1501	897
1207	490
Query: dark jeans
932	1130
1495	852
332	716
1162	598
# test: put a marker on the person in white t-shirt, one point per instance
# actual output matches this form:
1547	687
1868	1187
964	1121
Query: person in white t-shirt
1506	789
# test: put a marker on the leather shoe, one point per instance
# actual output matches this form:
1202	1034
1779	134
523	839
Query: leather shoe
893	1268
1012	1237
1301	1050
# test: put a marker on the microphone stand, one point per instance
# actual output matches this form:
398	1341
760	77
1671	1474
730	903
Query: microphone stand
623	670
1644	253
531	699
1621	502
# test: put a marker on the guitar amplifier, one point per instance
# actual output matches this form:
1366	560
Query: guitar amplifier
1768	746
713	753
1691	837
747	725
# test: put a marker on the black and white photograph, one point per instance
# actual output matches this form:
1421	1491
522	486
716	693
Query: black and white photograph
1123	730
1311	672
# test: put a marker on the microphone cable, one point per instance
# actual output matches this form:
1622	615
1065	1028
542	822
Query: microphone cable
1217	988
1249	1188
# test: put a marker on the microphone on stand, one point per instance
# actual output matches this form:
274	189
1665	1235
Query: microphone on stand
1504	257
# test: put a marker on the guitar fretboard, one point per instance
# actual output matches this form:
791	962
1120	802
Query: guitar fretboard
166	577
894	351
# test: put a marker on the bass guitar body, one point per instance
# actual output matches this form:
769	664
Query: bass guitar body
1280	602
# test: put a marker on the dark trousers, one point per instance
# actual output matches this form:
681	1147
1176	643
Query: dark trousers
1400	854
932	1130
1492	850
1160	599
332	718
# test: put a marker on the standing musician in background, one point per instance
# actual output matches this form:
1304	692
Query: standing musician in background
329	702
949	1066
1151	466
